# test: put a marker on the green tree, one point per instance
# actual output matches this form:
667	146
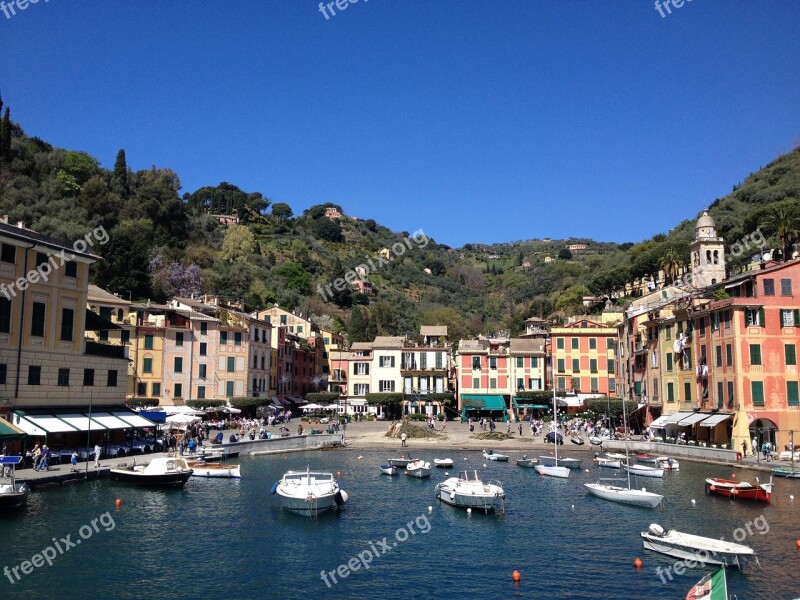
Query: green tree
5	136
281	210
784	223
125	260
239	244
326	229
293	277
671	265
120	177
571	299
565	254
357	328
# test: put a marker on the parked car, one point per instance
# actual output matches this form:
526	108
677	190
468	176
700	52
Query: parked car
553	437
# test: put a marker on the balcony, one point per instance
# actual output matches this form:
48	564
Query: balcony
92	348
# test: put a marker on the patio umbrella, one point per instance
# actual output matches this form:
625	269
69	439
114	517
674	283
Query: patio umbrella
181	421
313	407
332	407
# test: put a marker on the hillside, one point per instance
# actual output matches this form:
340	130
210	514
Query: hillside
163	243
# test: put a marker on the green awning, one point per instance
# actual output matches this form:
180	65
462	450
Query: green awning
482	402
10	433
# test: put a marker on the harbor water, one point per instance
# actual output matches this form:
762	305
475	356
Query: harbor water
230	539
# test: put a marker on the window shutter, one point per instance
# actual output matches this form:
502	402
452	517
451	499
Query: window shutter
762	318
367	371
796	317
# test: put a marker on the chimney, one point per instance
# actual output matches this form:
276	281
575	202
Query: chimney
20	224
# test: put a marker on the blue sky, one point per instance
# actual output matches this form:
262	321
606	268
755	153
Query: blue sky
475	121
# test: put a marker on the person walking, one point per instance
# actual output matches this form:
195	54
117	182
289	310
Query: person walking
74	461
744	448
44	463
97	452
519	428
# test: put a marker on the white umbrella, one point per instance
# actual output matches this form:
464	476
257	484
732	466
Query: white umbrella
181	421
332	407
312	407
231	410
182	410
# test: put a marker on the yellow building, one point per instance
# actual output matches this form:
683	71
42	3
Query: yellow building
117	311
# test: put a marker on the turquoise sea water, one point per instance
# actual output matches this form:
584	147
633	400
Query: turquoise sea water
229	538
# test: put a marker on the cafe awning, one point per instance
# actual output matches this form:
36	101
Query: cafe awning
49	424
109	421
692	419
133	419
715	420
10	432
82	423
42	421
483	402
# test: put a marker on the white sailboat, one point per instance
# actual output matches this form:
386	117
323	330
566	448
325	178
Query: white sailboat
554	469
623	495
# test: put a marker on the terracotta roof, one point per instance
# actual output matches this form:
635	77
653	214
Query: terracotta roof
526	346
433	330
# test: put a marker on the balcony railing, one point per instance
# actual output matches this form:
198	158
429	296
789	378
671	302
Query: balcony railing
107	350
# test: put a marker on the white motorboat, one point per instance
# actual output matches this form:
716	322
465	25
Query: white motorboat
668	463
624	495
597	440
443	463
492	455
159	472
527	462
469	491
611	463
644	471
419	469
12	494
696	548
204	469
616	455
577	440
309	493
389	470
570	463
401	462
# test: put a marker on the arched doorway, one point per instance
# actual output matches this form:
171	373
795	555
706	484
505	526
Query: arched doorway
764	430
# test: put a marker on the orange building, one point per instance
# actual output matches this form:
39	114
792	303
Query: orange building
583	357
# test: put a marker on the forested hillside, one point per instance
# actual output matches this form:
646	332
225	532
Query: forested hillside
165	241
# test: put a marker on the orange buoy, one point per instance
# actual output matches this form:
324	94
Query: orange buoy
338	473
515	575
733	475
797	543
118	502
712	487
638	563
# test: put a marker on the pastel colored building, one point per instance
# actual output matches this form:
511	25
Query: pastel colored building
584	357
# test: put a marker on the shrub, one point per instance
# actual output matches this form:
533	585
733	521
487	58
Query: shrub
139	403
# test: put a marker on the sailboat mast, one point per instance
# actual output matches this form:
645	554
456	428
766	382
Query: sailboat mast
624	434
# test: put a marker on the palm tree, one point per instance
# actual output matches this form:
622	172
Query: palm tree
784	224
671	265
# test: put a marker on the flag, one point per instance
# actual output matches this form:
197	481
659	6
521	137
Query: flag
710	587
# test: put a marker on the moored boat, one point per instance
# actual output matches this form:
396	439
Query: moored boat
469	491
495	456
389	470
419	469
570	463
624	495
309	493
644	471
740	489
668	463
577	440
204	469
12	494
611	463
159	472
527	462
443	463
696	548
643	457
401	462
786	472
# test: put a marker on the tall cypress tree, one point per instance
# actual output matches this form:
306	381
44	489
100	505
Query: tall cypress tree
120	177
5	136
357	331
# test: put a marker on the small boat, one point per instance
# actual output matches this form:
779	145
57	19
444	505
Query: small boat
668	463
492	455
552	470
419	469
159	472
443	463
389	470
786	472
611	463
570	463
204	469
624	495
309	493
616	455
12	494
401	462
469	491
740	489
597	440
646	458
577	440
549	465
527	462
696	548
713	585
644	471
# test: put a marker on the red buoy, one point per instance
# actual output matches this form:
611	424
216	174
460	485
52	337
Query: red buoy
712	487
638	563
516	576
797	543
118	502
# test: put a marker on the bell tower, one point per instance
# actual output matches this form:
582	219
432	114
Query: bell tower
707	264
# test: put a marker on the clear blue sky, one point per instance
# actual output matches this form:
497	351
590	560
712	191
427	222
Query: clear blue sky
476	121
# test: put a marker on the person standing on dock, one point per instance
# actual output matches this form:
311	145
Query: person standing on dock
403	440
74	460
97	451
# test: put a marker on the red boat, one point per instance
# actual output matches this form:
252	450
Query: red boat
740	489
645	458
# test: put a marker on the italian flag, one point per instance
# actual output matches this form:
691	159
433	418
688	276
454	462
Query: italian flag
710	587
